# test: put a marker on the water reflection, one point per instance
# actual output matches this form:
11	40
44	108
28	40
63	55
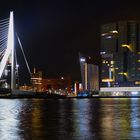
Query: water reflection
135	118
75	119
115	120
9	122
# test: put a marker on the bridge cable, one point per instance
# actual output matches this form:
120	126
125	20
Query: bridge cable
23	54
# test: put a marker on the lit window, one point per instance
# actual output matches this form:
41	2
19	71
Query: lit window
112	62
102	53
82	59
114	32
108	36
103	61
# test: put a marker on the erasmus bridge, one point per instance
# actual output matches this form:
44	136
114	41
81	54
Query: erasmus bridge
8	53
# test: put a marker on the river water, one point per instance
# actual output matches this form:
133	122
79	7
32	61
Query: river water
69	119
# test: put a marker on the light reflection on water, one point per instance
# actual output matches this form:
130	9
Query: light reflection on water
9	122
38	119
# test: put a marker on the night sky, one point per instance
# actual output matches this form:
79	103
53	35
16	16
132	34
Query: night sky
54	32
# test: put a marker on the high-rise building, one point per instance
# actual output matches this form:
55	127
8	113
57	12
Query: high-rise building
89	73
120	52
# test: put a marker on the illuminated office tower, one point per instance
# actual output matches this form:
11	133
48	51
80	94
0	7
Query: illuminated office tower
120	52
92	77
89	73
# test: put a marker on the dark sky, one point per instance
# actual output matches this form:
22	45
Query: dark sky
53	32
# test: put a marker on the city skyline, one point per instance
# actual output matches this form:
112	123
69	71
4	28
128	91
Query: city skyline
52	33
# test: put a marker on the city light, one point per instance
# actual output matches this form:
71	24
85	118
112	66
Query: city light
82	59
112	62
127	46
62	78
102	53
134	92
107	80
109	36
123	73
114	32
104	34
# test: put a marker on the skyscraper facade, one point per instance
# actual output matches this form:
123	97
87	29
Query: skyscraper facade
120	52
89	73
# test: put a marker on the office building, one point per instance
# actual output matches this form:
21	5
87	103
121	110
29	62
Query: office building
89	73
120	52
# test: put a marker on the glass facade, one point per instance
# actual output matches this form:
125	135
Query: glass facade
89	73
120	52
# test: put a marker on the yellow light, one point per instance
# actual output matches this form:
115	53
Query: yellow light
127	46
120	73
112	62
112	69
138	60
123	73
137	82
107	80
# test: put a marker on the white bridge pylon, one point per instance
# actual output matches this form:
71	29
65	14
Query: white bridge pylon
9	51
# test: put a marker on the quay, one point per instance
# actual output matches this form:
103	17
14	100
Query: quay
18	94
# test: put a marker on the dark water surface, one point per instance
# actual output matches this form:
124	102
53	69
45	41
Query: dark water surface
69	119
